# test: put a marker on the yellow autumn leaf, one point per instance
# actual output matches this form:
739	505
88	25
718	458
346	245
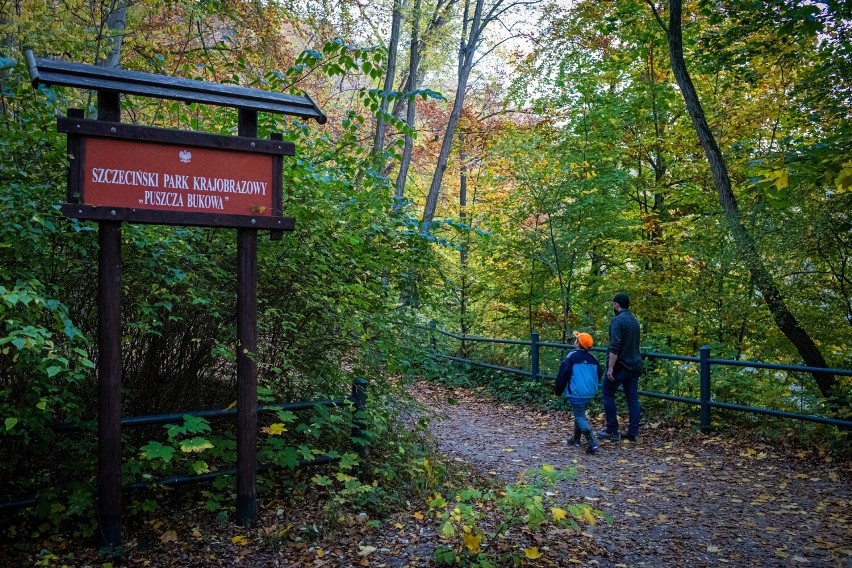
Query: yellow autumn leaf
783	180
169	536
532	553
274	429
240	540
588	516
417	515
197	533
471	542
558	514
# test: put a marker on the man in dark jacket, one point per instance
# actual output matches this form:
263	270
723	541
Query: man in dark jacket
624	366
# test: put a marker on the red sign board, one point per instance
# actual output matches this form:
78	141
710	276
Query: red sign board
170	177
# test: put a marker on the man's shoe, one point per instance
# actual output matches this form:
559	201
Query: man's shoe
604	435
629	437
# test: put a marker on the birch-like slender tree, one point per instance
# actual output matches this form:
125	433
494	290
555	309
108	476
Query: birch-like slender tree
414	77
411	85
390	77
472	36
111	34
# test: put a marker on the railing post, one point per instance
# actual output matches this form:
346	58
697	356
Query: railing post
534	355
359	399
704	367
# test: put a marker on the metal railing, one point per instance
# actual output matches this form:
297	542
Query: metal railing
358	399
705	401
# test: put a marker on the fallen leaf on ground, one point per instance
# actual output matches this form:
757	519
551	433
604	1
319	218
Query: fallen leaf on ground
532	553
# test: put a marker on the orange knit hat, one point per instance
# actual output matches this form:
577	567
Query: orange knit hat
584	339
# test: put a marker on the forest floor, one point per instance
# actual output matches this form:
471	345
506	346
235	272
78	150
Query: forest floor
676	498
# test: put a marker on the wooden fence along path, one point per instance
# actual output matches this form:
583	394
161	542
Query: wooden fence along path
357	400
705	363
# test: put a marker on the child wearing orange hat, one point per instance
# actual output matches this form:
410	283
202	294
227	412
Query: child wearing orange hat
578	379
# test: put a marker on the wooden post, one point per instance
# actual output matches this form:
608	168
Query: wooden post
246	364
534	355
109	361
704	368
277	188
359	400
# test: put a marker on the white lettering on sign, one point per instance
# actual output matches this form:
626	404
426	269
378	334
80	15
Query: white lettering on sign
224	185
175	181
163	198
204	201
126	177
175	190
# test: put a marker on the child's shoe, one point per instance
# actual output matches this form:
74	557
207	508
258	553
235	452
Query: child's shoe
575	439
593	442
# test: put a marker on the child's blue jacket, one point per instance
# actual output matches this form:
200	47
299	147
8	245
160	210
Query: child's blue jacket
578	376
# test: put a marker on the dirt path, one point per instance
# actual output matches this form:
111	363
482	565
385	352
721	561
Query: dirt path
687	500
677	499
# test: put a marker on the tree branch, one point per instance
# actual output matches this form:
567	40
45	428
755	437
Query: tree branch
657	16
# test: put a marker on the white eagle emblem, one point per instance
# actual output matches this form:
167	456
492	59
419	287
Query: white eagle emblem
185	156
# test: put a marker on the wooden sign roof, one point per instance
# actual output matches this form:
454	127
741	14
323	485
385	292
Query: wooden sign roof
54	72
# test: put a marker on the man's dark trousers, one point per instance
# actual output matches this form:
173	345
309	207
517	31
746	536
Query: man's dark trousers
630	381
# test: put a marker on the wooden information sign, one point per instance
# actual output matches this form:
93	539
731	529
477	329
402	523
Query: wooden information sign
131	173
126	173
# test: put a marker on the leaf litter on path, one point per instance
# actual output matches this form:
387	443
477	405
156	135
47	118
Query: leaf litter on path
678	499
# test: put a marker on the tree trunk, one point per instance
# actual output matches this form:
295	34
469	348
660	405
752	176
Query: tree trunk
390	75
413	69
113	36
471	33
463	251
438	20
658	164
747	248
